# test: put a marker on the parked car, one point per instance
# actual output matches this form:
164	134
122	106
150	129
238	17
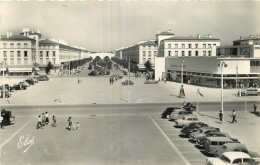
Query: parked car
178	114
230	158
213	143
24	83
43	78
7	117
192	127
35	79
186	120
30	81
127	82
7	87
250	91
202	139
168	111
151	82
202	132
234	147
18	87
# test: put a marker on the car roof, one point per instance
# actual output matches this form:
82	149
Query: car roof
219	139
230	145
234	155
207	128
219	133
187	116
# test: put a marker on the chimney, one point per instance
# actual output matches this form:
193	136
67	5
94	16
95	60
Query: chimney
198	36
7	35
209	35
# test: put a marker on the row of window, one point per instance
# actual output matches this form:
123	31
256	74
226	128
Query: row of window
25	53
18	45
176	46
255	63
189	53
144	60
48	60
149	47
47	47
48	53
149	53
18	61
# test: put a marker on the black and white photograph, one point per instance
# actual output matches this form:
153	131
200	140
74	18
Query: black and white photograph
128	82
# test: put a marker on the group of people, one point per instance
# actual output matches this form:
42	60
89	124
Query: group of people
43	120
71	126
234	116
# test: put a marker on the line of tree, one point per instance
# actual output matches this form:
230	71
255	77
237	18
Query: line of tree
125	63
100	66
76	63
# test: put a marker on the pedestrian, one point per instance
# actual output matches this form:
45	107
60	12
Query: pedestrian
43	119
255	108
182	93
46	118
69	122
78	80
220	116
159	79
234	115
110	80
184	103
116	78
54	124
164	80
39	124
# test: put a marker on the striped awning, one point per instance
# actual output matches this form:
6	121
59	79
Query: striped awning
20	69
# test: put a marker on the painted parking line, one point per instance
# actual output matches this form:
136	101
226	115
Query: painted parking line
170	142
179	145
174	134
19	130
179	139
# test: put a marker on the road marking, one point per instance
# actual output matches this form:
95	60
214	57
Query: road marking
10	138
168	129
170	142
166	125
197	160
184	145
172	134
178	139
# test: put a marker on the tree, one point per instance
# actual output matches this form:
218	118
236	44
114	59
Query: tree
106	59
48	67
148	65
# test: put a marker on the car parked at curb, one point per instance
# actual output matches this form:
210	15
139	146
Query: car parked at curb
250	91
43	78
151	82
127	82
192	127
231	158
7	94
168	111
202	132
19	87
24	83
234	147
30	81
186	120
213	143
178	114
202	139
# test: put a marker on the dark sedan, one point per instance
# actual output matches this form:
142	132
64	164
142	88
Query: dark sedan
168	111
18	87
192	127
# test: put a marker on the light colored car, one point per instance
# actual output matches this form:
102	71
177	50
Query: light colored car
250	91
151	82
230	158
178	114
235	147
186	120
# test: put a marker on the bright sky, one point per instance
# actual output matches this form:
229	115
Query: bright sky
106	26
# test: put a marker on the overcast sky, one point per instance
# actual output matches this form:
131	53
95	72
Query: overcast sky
106	26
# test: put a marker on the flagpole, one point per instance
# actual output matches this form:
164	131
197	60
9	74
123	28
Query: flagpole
236	75
198	100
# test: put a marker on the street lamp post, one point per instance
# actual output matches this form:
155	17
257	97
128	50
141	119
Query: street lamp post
3	64
222	64
182	71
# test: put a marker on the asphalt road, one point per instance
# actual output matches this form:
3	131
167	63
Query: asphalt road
108	134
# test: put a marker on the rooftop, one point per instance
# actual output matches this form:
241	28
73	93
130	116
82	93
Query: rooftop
165	33
148	43
191	38
15	37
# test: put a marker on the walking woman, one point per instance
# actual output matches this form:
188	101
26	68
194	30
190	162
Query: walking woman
39	124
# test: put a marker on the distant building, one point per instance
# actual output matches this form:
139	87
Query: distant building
24	53
139	53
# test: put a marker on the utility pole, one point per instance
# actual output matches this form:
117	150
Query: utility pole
3	64
182	71
128	79
222	64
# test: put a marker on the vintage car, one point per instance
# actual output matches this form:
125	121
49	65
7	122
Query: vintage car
189	107
178	114
168	111
19	87
213	143
231	158
127	82
250	91
235	147
7	94
202	139
186	120
151	82
202	132
30	81
43	78
6	117
192	127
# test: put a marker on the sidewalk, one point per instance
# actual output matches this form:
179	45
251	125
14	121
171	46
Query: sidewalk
246	130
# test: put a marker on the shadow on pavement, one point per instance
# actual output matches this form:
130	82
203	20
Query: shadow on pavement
183	136
206	154
192	141
199	147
